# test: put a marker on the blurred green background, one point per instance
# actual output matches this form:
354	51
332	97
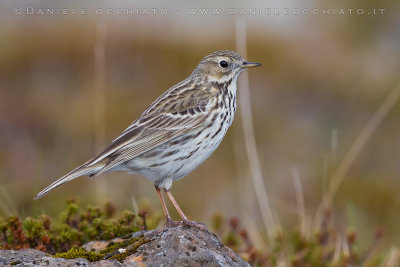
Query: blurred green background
322	79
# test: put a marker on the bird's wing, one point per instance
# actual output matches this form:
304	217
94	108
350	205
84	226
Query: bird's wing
139	139
172	119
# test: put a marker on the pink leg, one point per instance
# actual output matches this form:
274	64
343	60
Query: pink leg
171	197
164	206
186	221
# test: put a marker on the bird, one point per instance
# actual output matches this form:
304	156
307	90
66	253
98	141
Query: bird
177	132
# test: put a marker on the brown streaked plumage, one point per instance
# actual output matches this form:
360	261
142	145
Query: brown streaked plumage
177	132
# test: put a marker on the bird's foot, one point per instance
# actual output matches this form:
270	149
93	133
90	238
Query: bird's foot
169	224
172	223
195	224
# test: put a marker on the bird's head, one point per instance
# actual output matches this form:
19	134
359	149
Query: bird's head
222	66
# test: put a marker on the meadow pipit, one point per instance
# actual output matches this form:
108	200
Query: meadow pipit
176	133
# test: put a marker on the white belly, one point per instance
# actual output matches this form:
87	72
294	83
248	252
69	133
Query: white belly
177	158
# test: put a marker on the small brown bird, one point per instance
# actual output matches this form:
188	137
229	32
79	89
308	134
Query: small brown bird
176	133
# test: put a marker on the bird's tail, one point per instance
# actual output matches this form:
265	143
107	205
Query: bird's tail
80	171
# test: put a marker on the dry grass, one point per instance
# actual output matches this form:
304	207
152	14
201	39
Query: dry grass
249	137
99	88
356	148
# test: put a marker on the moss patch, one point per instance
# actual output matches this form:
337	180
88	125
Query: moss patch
132	248
80	253
74	227
118	251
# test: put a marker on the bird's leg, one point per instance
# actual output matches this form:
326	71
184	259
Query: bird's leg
164	206
184	218
171	197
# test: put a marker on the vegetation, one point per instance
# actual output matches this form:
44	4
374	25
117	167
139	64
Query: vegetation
324	246
74	227
111	252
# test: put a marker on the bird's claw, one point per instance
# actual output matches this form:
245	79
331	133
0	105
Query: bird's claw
195	224
172	223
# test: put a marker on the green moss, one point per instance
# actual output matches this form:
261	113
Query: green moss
231	239
117	245
75	226
130	250
79	253
216	221
111	252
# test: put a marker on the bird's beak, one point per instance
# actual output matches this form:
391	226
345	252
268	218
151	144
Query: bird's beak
246	65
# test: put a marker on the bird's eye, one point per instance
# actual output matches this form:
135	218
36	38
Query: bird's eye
223	64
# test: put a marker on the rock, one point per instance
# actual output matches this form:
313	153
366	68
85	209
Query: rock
23	257
32	257
183	246
180	245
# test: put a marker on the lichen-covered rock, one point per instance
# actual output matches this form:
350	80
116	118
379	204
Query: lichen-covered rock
181	245
33	257
23	257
